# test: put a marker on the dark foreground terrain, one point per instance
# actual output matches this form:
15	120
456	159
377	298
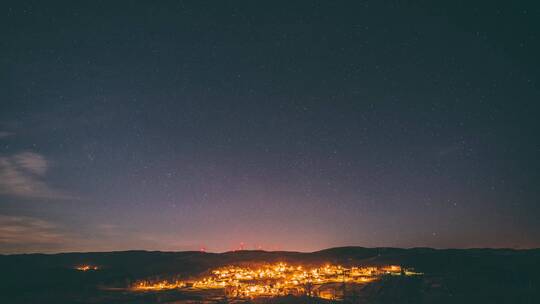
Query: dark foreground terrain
449	276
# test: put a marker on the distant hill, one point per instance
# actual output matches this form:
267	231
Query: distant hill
506	273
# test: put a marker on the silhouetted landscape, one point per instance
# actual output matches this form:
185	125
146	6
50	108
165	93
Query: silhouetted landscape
447	276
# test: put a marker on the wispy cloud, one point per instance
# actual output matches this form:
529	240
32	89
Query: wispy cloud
22	175
24	234
32	162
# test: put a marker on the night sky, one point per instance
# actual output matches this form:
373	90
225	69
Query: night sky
225	125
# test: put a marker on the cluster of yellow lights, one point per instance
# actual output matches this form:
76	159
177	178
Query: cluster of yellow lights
276	279
161	285
86	267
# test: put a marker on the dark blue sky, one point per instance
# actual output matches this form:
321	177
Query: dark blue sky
180	125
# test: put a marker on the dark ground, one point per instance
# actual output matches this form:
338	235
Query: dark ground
450	276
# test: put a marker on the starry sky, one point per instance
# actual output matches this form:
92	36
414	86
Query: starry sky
178	125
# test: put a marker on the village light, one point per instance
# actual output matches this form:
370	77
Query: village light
275	279
86	267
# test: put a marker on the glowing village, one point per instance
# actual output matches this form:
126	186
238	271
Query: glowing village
280	279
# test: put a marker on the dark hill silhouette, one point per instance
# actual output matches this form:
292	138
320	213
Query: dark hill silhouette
450	275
